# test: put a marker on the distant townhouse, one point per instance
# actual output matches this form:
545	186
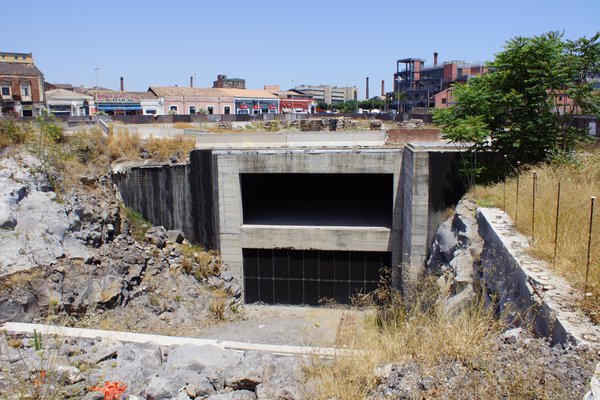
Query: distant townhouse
417	85
62	102
190	101
179	100
21	85
329	94
121	102
254	101
293	101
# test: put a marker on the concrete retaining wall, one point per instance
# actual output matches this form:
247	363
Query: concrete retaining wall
526	290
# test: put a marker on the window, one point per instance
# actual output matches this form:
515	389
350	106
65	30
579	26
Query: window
443	101
192	110
227	110
151	112
25	92
6	91
173	110
211	110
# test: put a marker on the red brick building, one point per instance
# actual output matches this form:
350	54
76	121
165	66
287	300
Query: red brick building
21	85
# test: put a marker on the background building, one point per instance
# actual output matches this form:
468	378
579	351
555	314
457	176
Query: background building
21	85
63	102
416	85
223	82
329	94
117	102
189	101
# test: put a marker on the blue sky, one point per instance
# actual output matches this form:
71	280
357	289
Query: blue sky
271	42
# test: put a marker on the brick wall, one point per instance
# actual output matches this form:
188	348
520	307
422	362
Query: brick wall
400	135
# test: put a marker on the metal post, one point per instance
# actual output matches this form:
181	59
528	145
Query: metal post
556	223
504	186
517	195
533	207
587	264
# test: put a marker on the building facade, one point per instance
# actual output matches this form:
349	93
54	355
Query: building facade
189	101
295	102
21	85
223	82
63	102
416	84
329	94
116	102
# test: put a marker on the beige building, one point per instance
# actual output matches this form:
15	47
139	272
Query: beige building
329	94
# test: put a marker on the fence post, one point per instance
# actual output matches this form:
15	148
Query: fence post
556	223
533	206
587	264
517	195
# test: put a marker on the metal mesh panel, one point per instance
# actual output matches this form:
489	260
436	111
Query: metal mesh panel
310	276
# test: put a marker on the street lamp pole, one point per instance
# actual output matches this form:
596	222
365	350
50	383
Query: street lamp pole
96	73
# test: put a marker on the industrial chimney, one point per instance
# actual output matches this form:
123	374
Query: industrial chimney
435	55
122	85
192	81
382	88
367	88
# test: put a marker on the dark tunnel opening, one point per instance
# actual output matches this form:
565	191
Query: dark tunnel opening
318	199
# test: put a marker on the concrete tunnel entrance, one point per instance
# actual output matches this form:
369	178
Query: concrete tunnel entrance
291	276
317	199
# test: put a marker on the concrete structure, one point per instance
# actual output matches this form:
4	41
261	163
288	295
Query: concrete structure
416	84
63	102
329	94
21	85
322	218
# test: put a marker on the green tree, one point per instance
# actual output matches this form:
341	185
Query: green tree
513	109
323	106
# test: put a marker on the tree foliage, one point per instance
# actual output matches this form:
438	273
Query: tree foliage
513	109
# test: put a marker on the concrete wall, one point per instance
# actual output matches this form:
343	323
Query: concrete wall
174	196
525	289
233	235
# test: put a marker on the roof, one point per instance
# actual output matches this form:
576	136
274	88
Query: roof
20	69
62	94
176	91
249	93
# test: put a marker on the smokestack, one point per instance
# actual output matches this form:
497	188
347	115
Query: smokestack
122	85
367	88
382	88
192	81
435	54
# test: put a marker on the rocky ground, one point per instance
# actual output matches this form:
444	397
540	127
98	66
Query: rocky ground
77	260
521	367
74	260
69	369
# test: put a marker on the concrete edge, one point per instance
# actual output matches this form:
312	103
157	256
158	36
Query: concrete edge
551	292
130	337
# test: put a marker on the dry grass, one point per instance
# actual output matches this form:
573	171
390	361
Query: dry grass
425	335
579	181
123	146
184	125
166	147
